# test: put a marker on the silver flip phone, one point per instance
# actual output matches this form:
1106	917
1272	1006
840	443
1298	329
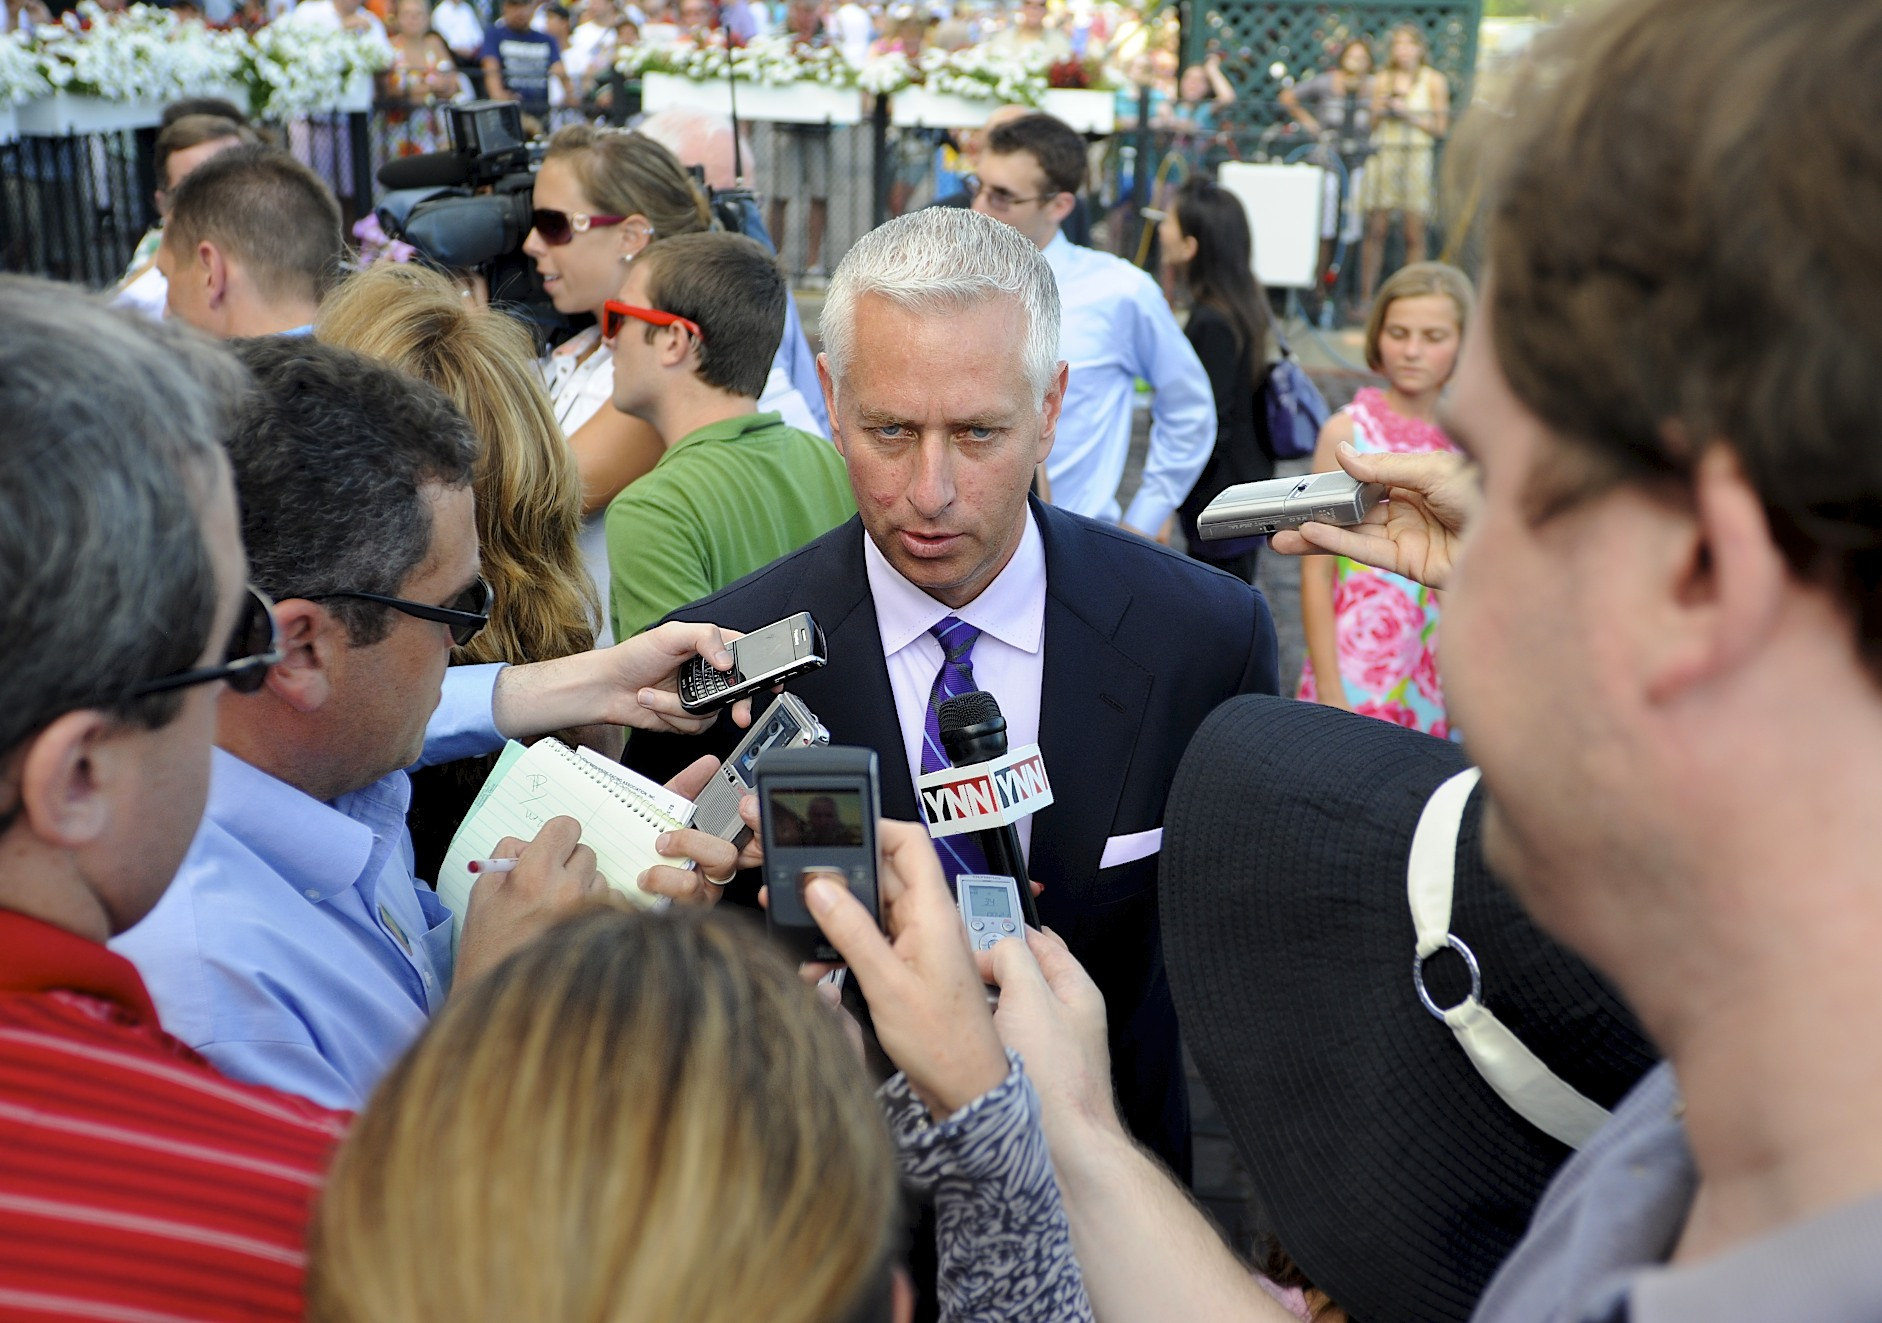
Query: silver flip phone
786	724
1255	509
989	907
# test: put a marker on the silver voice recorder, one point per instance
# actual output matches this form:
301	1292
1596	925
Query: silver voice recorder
786	724
1255	509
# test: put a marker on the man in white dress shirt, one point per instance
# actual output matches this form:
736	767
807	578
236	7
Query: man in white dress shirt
1117	329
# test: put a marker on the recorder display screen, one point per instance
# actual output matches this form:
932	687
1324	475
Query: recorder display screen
816	817
989	902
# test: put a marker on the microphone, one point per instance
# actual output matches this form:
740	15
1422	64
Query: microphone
430	170
974	733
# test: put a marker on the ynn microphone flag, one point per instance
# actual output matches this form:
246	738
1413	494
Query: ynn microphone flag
979	796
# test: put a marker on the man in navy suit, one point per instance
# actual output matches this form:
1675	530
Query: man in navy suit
943	382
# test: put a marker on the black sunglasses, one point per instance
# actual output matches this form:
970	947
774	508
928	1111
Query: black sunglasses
466	614
254	646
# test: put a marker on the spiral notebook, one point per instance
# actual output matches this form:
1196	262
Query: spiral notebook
621	813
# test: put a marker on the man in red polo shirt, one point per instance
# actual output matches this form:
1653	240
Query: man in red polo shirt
135	1182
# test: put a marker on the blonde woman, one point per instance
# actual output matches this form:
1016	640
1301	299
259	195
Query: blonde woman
1411	110
543	604
649	1117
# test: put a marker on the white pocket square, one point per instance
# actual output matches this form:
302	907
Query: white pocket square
1137	845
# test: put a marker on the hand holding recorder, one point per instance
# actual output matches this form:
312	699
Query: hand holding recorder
925	996
1415	531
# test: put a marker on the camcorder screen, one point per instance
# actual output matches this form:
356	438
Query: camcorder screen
989	902
816	817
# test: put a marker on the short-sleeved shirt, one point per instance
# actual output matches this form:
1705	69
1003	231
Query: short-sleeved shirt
525	58
723	501
136	1182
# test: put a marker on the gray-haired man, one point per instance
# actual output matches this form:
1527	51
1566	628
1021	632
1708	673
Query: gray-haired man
122	570
944	386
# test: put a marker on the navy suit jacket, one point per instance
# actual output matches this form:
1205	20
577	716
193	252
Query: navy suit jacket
1141	644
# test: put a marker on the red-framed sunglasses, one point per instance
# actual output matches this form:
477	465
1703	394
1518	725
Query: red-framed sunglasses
558	227
614	315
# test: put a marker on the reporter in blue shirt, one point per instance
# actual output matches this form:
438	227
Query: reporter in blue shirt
1116	328
296	948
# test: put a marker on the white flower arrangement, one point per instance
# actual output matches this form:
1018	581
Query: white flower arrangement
886	74
975	73
766	61
140	54
20	75
297	71
980	74
146	54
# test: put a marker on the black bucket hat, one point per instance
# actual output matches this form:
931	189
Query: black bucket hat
1383	1162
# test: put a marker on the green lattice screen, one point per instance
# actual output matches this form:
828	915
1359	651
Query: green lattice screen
1301	36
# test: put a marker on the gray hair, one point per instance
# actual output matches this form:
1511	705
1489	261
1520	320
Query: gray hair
103	567
945	259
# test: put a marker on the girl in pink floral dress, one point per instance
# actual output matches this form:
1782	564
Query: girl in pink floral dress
1372	637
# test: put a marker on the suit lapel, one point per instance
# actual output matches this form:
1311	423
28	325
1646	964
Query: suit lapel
1091	709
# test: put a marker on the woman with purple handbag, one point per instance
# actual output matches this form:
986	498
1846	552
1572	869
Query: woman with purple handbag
1266	408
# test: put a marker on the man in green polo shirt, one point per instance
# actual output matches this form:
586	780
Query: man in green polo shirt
694	333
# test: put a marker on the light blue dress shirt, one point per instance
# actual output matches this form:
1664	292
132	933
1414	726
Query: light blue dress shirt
1116	327
295	948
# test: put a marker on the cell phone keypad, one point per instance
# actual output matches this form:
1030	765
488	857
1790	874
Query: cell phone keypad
703	683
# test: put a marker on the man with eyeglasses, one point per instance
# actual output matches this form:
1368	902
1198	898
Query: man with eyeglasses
135	1181
693	333
1117	329
296	948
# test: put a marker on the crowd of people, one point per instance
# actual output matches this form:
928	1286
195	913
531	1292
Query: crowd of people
1377	115
301	556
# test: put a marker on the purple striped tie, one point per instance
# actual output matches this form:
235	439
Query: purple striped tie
959	854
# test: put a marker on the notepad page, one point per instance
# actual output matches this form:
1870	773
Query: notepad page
548	780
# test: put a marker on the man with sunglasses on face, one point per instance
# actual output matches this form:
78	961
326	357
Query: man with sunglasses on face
296	948
693	332
135	1181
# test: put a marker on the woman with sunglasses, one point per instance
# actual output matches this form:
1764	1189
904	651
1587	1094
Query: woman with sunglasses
601	197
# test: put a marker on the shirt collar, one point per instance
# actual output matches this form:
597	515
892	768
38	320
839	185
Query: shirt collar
1059	251
317	848
1012	608
36	956
728	429
576	343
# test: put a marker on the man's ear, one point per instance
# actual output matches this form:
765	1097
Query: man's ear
312	641
676	346
1061	206
66	777
828	383
1054	403
212	268
1725	589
